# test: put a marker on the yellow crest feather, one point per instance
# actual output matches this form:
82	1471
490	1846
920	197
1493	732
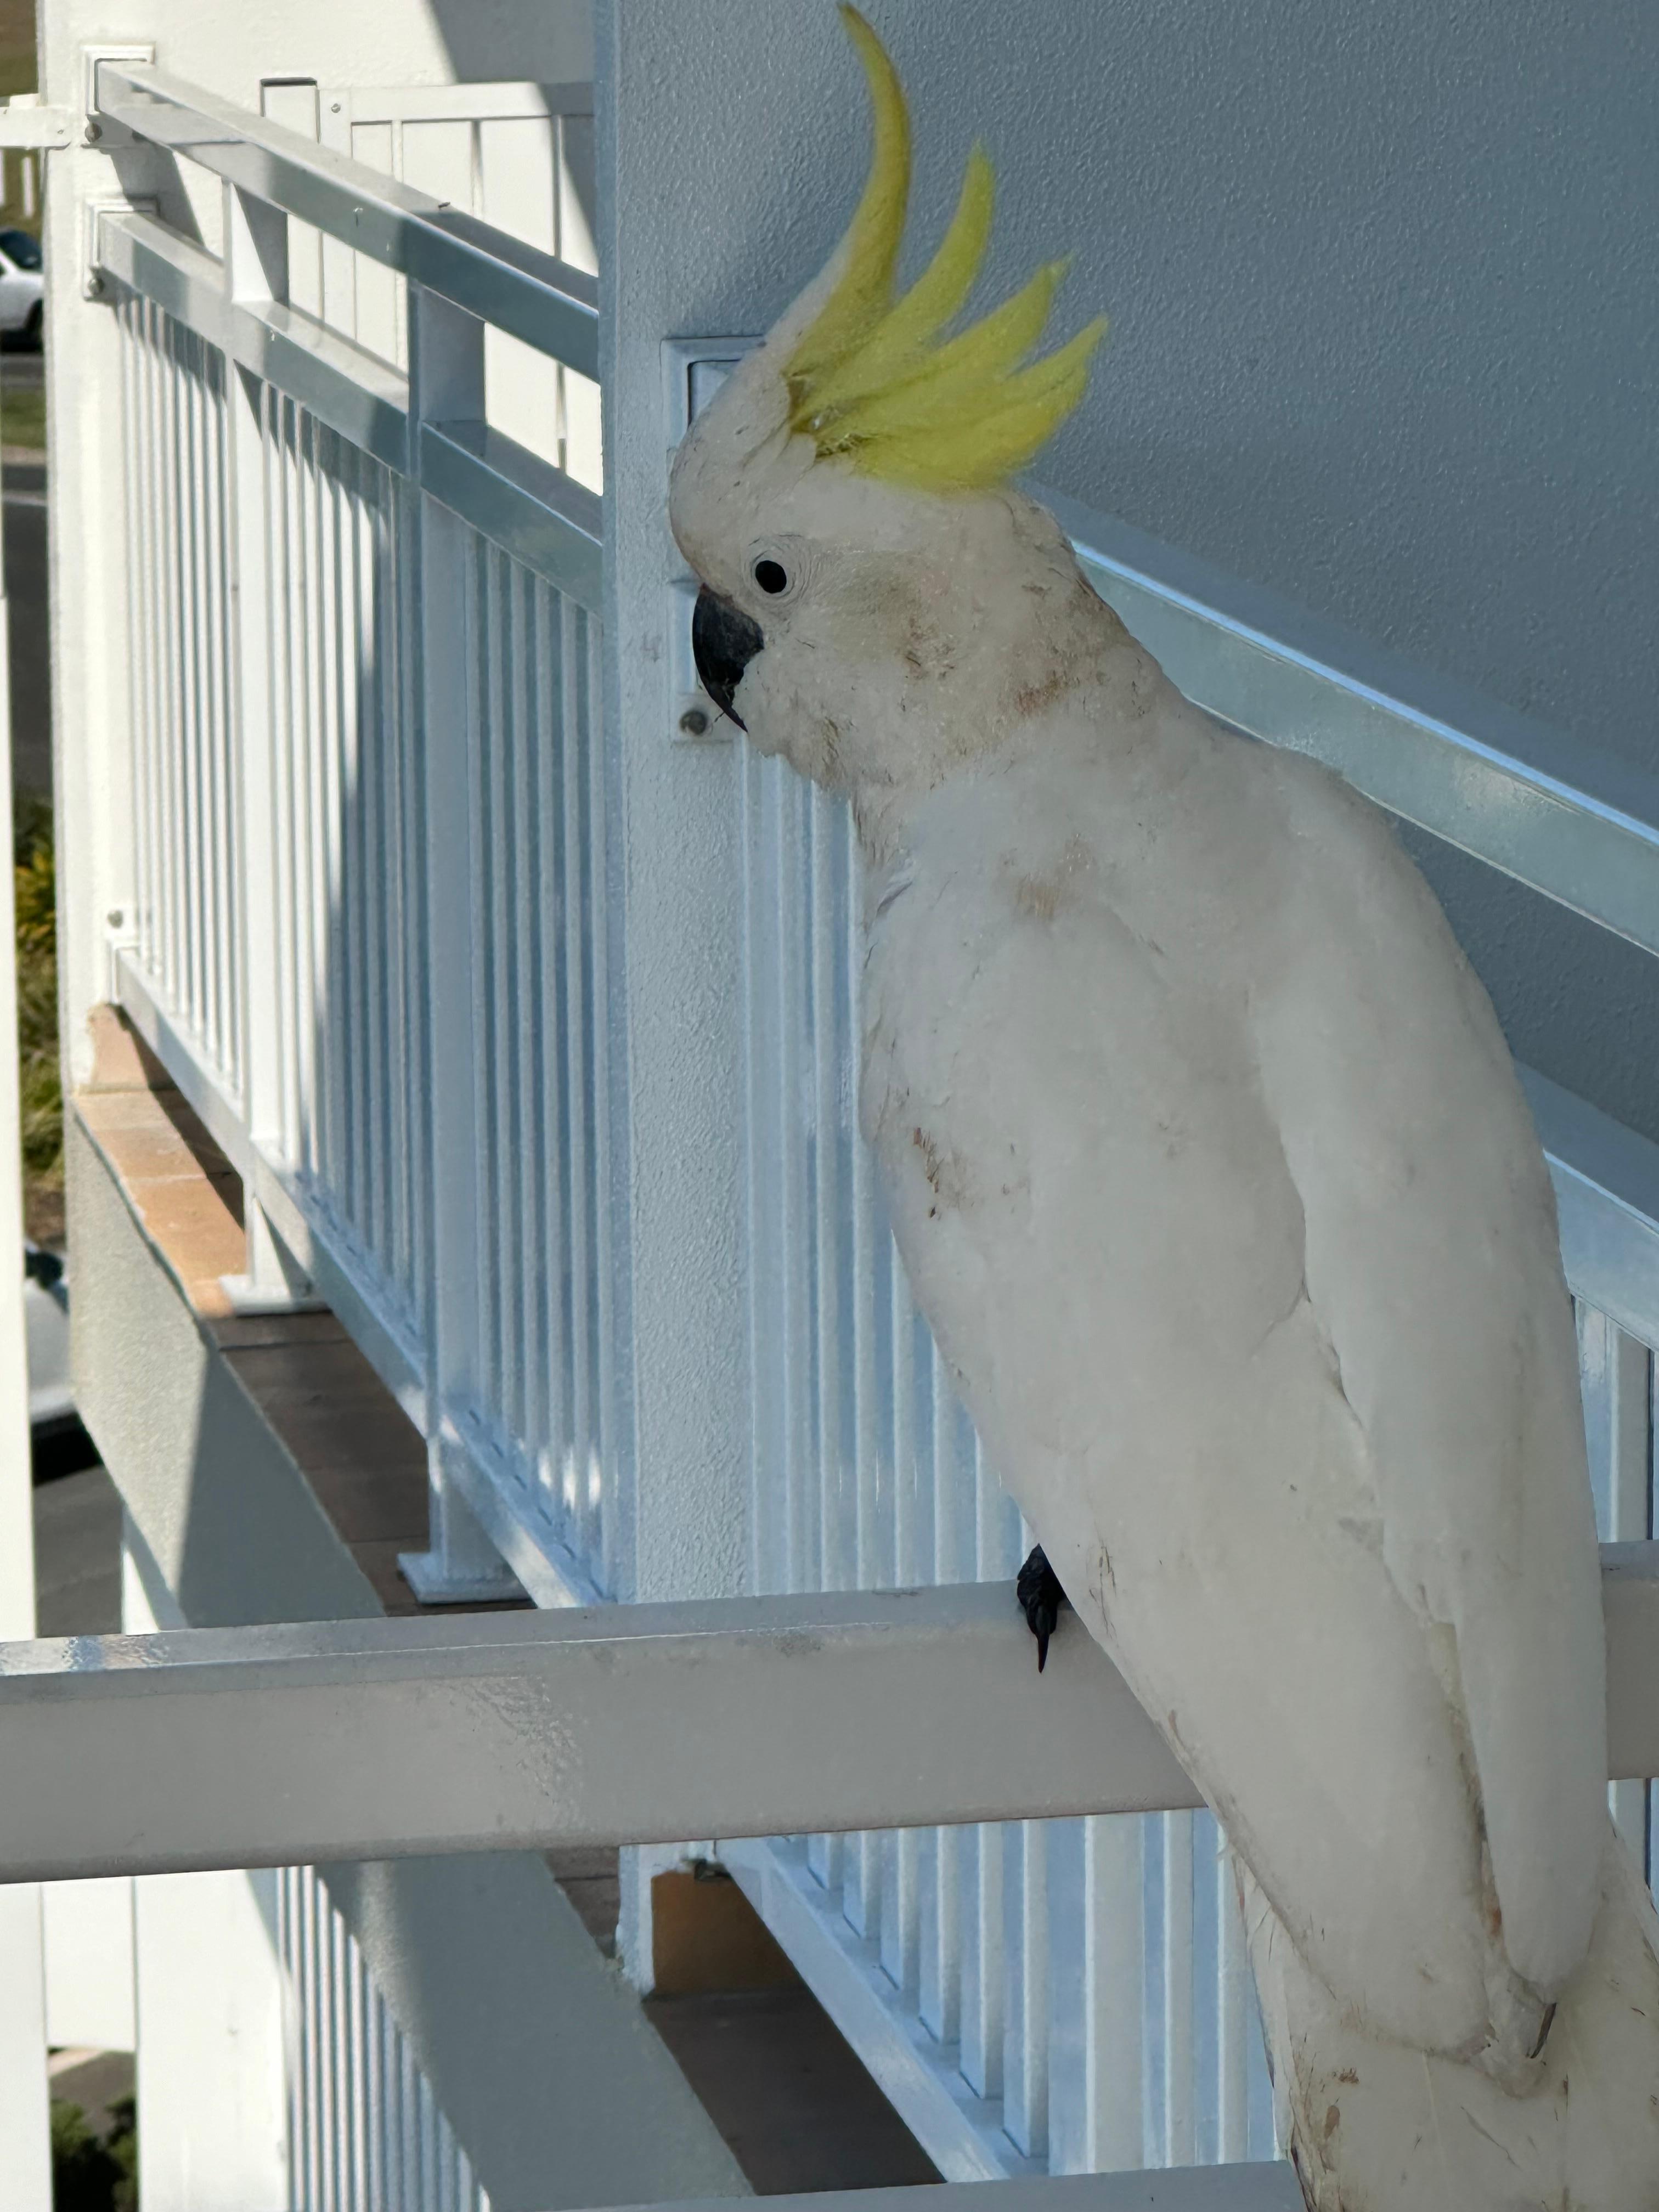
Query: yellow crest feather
868	380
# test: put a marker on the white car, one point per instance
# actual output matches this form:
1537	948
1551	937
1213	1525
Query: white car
23	286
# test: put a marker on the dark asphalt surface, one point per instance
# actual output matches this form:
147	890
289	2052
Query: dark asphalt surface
25	499
77	1555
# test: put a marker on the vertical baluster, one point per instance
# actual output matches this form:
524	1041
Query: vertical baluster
256	269
800	1513
592	769
499	1202
1178	2116
555	1016
137	624
391	1137
763	989
364	904
222	751
281	1038
577	1224
952	1517
901	1916
873	1498
530	1086
599	770
1238	2023
828	819
416	1186
1025	2019
1115	1845
983	1971
174	707
356	2052
1615	1371
412	2154
446	359
181	457
319	1154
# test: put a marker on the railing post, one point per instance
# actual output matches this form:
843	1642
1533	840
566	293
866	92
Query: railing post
460	1565
25	2154
256	269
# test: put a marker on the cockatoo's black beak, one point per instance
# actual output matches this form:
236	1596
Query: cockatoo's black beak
724	640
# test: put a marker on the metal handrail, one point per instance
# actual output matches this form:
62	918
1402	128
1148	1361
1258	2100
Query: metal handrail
519	502
502	281
1545	810
370	1738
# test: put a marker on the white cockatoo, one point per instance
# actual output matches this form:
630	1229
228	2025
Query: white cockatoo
1210	1169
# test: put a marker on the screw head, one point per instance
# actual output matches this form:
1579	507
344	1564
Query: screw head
117	915
694	723
94	132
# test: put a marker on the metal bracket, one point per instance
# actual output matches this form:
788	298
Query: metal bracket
121	935
693	370
25	122
97	130
274	1282
94	285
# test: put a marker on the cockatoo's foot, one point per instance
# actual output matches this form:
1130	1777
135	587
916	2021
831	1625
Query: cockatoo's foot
1037	1588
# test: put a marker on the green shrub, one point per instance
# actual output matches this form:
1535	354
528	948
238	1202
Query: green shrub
34	880
84	2174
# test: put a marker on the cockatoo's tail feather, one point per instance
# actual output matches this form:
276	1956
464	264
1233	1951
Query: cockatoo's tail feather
868	378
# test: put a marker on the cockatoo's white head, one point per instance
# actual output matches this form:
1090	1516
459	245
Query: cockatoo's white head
877	601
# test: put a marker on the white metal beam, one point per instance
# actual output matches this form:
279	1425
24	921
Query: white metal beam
539	298
1263	2187
1579	826
274	1745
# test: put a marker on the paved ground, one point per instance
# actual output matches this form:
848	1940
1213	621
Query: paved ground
77	1555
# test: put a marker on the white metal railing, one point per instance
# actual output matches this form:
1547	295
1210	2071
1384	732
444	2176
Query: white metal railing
365	2131
370	936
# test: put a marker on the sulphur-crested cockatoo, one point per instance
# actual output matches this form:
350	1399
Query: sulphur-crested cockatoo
1210	1170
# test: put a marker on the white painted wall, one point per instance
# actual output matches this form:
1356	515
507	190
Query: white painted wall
1384	314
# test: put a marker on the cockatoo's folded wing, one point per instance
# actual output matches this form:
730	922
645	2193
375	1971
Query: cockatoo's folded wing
1433	1265
1274	1352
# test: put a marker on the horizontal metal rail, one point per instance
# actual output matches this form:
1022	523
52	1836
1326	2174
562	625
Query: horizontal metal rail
1268	2185
1578	826
539	298
1607	1201
542	517
278	1745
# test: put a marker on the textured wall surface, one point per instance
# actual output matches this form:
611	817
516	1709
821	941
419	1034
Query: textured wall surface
1384	311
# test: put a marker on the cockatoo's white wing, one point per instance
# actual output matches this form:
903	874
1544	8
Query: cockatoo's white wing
1433	1263
1280	1390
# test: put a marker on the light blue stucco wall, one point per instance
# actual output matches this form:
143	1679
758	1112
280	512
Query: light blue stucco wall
1385	326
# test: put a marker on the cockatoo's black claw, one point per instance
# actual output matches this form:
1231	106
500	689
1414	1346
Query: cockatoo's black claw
1037	1588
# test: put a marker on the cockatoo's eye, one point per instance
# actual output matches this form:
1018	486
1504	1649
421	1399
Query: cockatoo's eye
772	576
